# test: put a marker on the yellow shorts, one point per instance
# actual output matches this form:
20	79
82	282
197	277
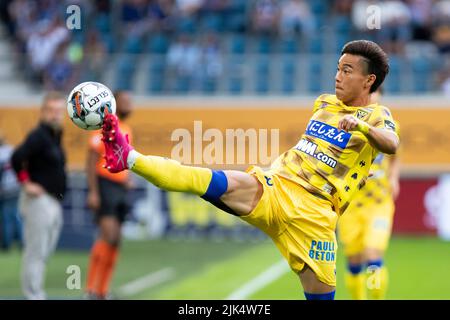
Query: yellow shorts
366	226
301	224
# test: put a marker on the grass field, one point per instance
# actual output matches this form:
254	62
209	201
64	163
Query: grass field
210	270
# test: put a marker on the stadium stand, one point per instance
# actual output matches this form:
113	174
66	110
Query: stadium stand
262	34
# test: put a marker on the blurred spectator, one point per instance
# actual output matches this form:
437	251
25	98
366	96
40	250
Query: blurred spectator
42	45
445	87
23	15
395	26
162	13
184	56
94	56
265	16
395	23
103	6
59	74
218	6
189	7
211	57
134	17
296	17
11	226
441	37
421	19
441	12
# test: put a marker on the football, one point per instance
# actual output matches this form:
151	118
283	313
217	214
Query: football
88	104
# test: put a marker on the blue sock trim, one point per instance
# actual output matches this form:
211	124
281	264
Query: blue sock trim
355	268
217	187
320	296
375	263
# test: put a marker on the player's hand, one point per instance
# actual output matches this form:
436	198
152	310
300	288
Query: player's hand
348	123
33	189
93	201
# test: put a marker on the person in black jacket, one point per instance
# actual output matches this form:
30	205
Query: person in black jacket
40	166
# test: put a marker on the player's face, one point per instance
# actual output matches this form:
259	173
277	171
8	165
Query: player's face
351	79
124	105
53	113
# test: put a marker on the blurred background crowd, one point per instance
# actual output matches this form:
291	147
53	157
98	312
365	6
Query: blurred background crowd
224	46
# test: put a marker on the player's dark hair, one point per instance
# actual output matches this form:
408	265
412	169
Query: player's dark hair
376	59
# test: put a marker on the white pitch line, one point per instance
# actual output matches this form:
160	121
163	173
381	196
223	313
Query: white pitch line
263	279
145	282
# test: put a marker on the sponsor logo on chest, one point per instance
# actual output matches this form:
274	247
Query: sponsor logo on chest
328	133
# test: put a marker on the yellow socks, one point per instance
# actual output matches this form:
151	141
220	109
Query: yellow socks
170	175
377	283
367	282
356	284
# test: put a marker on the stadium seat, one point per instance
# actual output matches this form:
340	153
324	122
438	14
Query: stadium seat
288	67
235	22
238	5
133	45
262	68
212	22
288	84
124	73
103	23
263	44
262	85
318	7
186	25
237	44
209	85
315	45
289	45
342	25
341	40
108	41
235	85
314	74
393	81
182	84
158	43
422	74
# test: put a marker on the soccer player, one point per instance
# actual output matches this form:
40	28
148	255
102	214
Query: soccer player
365	228
298	201
107	197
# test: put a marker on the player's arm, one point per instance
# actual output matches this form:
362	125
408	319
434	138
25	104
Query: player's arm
93	199
381	139
394	175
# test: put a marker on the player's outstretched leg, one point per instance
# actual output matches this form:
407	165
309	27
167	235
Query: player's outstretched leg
232	191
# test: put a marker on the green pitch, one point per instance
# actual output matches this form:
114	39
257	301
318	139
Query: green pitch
205	269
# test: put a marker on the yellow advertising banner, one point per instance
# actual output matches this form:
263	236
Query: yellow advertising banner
237	137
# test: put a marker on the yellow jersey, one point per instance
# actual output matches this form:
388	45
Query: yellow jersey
332	163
